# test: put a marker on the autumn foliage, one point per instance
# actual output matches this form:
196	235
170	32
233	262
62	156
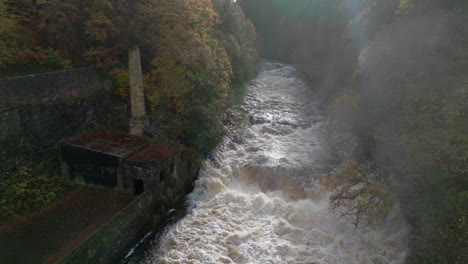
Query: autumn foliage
359	195
196	54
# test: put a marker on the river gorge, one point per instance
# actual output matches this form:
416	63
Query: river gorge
258	200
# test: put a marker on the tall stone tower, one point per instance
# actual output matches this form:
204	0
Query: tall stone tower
137	93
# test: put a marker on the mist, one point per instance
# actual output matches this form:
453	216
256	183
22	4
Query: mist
391	73
234	131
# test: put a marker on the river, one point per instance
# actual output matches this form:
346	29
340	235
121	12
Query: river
257	200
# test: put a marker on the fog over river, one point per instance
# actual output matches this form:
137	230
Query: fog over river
256	201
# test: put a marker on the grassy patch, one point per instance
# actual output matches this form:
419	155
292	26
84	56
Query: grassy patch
25	191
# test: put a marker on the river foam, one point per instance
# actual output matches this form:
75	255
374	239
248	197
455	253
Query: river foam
257	202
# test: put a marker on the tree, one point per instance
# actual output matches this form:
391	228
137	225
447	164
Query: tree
240	40
358	194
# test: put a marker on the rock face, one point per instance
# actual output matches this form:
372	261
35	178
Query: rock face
137	95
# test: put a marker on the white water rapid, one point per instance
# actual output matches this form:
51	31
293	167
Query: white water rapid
257	202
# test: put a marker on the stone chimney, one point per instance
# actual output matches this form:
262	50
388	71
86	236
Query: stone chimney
137	93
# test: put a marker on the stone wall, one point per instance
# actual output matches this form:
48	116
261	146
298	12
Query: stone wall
32	133
108	243
111	242
37	111
50	87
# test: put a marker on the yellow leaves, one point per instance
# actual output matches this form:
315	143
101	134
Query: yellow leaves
122	79
98	26
359	195
405	7
201	19
6	22
7	42
190	78
169	83
103	4
353	169
103	56
363	57
201	11
377	188
193	66
108	31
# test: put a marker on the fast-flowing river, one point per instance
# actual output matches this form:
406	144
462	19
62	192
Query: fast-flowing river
257	201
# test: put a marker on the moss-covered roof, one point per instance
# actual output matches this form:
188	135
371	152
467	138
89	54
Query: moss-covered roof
116	144
153	154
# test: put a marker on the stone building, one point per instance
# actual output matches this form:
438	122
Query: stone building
96	158
126	162
156	167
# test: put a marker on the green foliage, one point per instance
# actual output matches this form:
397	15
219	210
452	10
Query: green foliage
23	191
35	60
54	60
7	42
240	40
121	80
98	27
447	242
202	129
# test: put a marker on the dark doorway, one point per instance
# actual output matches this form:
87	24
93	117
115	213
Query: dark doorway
138	186
162	175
